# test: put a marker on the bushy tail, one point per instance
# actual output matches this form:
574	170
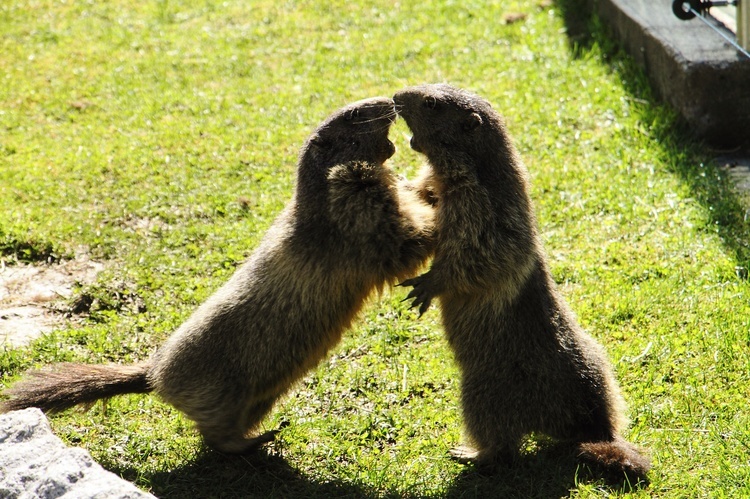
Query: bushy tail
62	386
617	458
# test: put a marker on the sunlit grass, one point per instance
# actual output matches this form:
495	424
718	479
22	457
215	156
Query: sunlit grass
161	138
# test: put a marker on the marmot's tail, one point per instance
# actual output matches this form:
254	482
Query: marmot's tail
617	458
62	386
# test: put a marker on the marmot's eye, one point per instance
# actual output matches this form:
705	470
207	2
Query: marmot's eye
351	114
430	102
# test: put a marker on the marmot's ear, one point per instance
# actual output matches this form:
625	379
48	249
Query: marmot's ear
472	122
319	142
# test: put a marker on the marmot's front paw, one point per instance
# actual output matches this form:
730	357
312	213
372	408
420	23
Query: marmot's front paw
422	293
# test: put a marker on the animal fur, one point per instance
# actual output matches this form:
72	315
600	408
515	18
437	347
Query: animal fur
347	232
526	364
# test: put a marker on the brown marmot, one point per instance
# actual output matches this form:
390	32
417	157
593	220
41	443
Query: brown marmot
347	232
526	364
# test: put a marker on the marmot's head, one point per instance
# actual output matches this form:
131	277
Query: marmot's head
452	127
356	132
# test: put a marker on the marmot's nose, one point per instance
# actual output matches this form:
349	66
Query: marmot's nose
402	98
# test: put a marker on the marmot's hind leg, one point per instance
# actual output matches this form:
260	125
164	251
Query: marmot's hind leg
486	461
492	444
493	430
230	435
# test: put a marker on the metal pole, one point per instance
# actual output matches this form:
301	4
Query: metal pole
743	24
708	23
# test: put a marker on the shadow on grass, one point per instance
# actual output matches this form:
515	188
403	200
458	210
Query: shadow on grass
550	472
699	167
263	474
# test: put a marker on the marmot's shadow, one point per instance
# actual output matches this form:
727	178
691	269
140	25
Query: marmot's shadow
260	474
550	471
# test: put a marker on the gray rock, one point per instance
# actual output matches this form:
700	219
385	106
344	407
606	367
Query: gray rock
36	464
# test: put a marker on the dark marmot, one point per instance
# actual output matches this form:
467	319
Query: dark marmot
526	364
347	232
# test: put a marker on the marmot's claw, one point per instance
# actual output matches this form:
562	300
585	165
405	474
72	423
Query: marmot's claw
424	307
464	454
414	281
419	295
414	293
422	304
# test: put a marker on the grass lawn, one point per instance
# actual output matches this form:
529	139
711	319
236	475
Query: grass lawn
160	137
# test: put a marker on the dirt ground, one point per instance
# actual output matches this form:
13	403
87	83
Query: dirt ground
29	294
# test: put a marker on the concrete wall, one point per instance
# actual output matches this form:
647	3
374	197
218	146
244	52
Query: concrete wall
688	64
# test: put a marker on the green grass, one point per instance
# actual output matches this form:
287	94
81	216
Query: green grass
161	136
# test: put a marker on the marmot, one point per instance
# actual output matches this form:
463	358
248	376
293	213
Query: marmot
347	232
526	364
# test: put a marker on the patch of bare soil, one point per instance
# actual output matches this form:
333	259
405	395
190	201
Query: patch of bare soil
28	294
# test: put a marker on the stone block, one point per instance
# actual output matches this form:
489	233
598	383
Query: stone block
36	464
